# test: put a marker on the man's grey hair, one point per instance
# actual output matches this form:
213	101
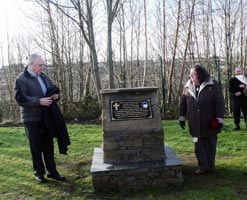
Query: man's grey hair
31	58
237	68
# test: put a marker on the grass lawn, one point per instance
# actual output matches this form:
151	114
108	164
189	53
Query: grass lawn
17	180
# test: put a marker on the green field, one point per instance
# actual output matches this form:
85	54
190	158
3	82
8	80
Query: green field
228	182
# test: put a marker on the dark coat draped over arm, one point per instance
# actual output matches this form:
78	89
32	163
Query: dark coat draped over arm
54	121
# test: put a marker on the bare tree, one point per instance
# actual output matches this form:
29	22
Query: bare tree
171	70
122	50
164	57
146	45
133	18
241	35
84	9
112	10
229	17
138	36
81	69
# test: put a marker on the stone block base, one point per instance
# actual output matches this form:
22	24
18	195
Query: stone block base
133	146
135	175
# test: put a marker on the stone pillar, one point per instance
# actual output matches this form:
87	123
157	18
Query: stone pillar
132	128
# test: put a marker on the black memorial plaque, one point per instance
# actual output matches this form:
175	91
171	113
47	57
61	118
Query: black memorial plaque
131	109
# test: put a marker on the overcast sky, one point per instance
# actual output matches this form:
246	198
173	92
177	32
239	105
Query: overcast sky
12	21
11	16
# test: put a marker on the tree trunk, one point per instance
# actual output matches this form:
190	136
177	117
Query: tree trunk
163	61
146	46
171	70
109	43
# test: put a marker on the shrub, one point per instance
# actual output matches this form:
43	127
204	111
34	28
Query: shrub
87	110
10	123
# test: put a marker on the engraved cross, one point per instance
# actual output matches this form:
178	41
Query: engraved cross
116	105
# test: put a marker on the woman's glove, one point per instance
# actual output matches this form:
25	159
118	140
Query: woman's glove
182	124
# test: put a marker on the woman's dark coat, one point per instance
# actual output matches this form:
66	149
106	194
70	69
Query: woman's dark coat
201	110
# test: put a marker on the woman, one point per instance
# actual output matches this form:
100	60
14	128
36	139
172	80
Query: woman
202	103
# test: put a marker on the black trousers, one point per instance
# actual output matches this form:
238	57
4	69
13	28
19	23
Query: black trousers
42	148
205	150
238	106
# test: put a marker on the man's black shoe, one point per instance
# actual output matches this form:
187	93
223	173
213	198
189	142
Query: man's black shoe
56	177
40	179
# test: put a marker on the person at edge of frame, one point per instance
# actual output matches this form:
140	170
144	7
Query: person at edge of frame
237	88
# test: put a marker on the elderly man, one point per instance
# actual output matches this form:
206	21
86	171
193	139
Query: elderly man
237	87
33	93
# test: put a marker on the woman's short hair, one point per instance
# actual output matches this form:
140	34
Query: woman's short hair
202	73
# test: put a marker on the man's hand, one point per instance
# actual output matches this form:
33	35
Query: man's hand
182	124
47	101
54	96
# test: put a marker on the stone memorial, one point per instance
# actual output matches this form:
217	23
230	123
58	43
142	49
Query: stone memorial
133	153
